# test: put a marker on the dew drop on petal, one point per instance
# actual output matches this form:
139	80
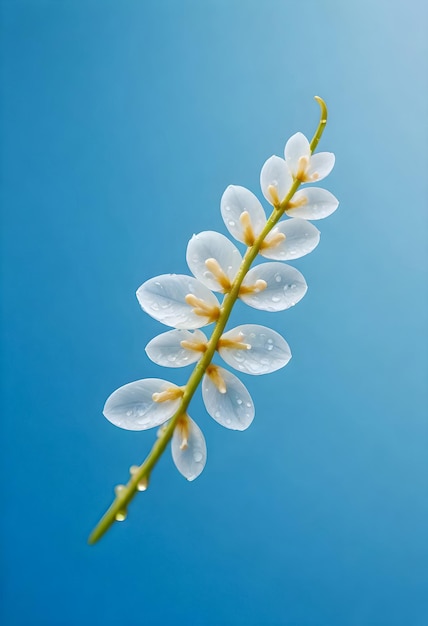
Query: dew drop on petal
197	457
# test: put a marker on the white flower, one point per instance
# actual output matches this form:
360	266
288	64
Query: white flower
254	349
245	219
178	301
188	448
273	287
150	403
242	213
177	348
227	399
290	239
143	404
304	166
312	203
275	180
213	259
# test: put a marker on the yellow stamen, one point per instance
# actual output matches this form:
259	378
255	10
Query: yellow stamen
193	345
215	268
301	169
258	286
297	203
202	308
272	240
247	227
233	343
273	192
214	373
183	430
172	393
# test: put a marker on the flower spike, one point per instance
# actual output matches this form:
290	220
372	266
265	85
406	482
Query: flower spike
187	303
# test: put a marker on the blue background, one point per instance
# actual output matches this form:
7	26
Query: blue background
122	124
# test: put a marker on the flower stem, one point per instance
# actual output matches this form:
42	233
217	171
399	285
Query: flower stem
127	493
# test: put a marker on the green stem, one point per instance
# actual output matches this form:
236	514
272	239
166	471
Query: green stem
127	493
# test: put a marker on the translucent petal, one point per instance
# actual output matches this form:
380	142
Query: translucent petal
275	173
132	406
267	353
320	166
234	202
301	237
212	245
315	203
233	409
285	287
166	349
163	297
295	148
188	448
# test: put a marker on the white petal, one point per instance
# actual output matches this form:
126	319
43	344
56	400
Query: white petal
163	297
166	349
212	245
233	409
234	202
301	237
320	165
189	456
275	173
318	203
132	407
285	287
267	353
295	148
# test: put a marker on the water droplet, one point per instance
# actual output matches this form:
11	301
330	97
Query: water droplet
143	484
276	299
133	469
248	404
217	414
231	223
228	420
238	357
128	413
121	515
197	457
171	358
278	278
118	489
293	286
286	288
269	346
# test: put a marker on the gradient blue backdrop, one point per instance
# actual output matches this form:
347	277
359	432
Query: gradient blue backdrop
122	124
